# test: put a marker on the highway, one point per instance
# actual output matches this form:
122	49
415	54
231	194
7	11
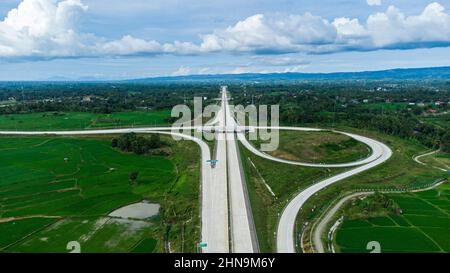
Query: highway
95	132
320	229
243	233
215	186
286	225
219	202
226	214
214	212
377	150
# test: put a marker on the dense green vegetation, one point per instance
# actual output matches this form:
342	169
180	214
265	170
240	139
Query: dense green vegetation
25	97
422	226
441	120
372	206
390	106
445	143
56	190
399	108
132	142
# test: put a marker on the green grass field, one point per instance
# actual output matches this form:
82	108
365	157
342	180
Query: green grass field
81	120
318	147
79	181
399	172
423	226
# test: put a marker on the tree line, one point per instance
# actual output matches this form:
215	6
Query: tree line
132	142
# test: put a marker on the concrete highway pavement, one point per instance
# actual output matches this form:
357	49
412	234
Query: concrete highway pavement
320	229
214	200
286	225
243	232
95	132
219	205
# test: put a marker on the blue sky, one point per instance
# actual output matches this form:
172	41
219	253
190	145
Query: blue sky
115	39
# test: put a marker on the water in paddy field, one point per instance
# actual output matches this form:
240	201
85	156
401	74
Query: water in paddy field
141	210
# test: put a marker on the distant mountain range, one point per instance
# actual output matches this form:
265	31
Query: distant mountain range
431	73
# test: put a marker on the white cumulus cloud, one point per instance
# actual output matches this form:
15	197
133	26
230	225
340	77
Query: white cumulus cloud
394	28
265	34
48	29
41	27
313	34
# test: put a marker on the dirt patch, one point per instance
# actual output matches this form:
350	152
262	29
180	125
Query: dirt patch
12	219
284	155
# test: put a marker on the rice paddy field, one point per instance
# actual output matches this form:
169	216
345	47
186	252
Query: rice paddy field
423	225
57	190
81	120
